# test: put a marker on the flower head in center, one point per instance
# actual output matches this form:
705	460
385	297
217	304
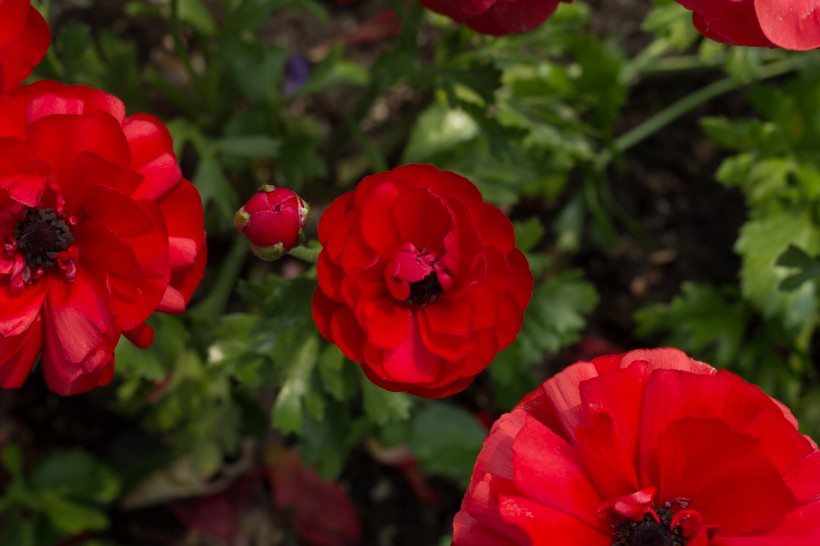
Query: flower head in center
419	280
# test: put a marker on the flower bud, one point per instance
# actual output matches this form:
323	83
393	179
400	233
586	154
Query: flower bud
273	220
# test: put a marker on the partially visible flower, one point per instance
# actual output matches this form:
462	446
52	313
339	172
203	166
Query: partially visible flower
273	220
790	24
24	40
98	230
297	72
646	448
419	280
495	17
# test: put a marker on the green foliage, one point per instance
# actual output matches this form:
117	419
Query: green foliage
536	120
717	325
63	495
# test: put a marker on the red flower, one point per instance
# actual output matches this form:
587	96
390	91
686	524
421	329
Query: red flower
273	220
419	280
99	230
650	447
790	24
495	17
24	39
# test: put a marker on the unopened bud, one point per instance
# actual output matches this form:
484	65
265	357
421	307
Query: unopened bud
273	220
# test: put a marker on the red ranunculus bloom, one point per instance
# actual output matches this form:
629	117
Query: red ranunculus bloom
99	230
790	24
495	17
24	39
419	280
273	220
646	448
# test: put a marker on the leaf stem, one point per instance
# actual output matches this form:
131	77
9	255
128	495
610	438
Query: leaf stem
308	254
690	102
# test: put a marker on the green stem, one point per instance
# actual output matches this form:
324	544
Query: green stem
179	46
692	101
308	254
214	304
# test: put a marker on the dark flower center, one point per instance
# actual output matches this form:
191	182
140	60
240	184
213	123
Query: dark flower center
649	532
41	235
425	290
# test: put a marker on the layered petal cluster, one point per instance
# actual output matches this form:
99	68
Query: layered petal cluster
495	17
790	24
99	230
419	280
649	447
24	40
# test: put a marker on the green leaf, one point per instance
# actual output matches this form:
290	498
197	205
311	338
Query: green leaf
761	242
72	518
796	258
334	371
195	13
12	459
288	408
446	439
436	131
250	146
528	233
381	406
555	317
78	475
334	71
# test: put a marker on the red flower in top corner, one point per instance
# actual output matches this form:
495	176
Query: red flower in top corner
24	40
646	448
495	17
419	280
99	230
790	24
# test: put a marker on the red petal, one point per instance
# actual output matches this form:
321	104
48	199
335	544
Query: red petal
20	310
422	218
386	323
59	139
549	471
468	531
547	526
792	24
411	362
28	44
21	174
17	355
378	226
735	21
743	497
80	336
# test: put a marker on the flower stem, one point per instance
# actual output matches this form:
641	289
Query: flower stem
308	254
692	101
213	305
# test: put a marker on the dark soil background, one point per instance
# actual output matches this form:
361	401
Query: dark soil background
665	184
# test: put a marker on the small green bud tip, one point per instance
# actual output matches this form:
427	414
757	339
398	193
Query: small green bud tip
241	219
269	253
304	212
267	188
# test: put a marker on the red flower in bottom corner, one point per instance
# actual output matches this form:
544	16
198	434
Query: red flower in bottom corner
98	229
647	448
419	280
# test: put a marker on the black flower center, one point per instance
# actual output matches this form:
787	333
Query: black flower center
41	235
648	532
425	290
